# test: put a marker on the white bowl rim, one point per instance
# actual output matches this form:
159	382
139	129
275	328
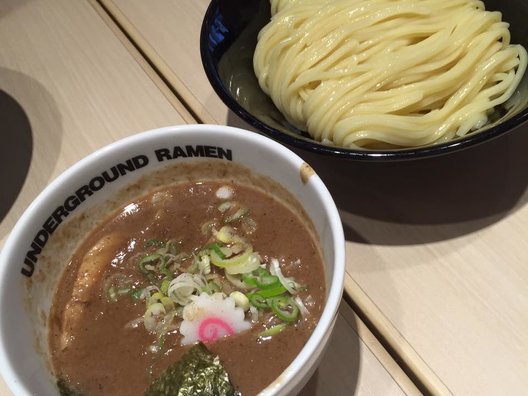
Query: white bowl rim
286	381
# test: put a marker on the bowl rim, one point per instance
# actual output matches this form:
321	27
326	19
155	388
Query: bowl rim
292	375
470	140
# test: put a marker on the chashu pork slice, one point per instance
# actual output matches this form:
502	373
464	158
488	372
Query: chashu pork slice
90	271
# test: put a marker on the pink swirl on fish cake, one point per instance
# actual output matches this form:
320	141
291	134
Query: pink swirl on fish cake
212	328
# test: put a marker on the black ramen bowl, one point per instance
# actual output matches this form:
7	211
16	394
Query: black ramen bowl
228	39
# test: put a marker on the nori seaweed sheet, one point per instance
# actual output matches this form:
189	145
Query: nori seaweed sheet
66	390
198	372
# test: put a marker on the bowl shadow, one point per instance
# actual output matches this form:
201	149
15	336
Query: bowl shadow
340	366
31	140
469	189
15	151
469	186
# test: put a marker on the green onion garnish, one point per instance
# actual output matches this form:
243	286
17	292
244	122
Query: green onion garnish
172	247
153	243
237	215
241	263
164	267
224	206
112	294
150	259
167	303
257	300
213	287
274	330
164	288
249	280
216	248
136	293
284	308
161	341
268	281
274	291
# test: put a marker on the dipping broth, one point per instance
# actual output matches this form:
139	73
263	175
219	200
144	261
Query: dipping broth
107	338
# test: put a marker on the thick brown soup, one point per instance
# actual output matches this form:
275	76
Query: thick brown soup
107	334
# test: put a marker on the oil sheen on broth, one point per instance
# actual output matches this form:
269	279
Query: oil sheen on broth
112	327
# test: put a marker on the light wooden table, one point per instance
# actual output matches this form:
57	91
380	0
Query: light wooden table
71	82
437	255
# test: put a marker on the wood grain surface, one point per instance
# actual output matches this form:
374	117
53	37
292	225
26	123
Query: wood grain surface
437	256
68	87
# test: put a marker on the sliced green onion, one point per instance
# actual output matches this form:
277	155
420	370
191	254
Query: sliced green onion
249	280
257	300
116	285
267	282
150	289
150	259
238	247
241	300
244	267
274	330
224	206
273	291
216	248
193	268
164	288
207	227
238	282
284	308
164	267
161	341
204	265
137	294
184	285
302	308
288	283
220	261
213	287
254	312
249	226
179	258
225	234
112	294
171	247
155	298
226	251
237	215
153	316
167	303
153	243
261	271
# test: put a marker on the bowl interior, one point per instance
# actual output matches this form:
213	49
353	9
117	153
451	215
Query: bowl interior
228	39
27	284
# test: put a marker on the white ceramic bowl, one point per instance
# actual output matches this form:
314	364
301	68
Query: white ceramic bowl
27	285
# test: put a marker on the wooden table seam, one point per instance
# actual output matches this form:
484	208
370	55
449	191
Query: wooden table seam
406	356
396	372
172	82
